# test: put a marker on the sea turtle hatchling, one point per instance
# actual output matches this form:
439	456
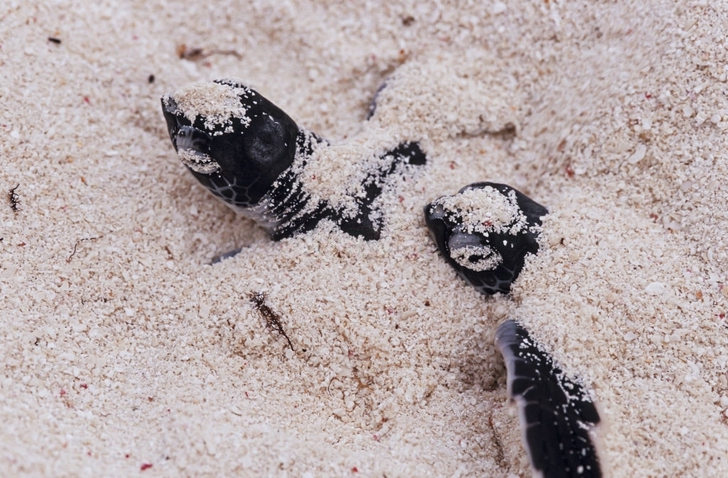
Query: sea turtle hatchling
485	232
254	157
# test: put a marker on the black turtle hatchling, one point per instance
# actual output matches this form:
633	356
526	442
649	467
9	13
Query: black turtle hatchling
252	155
485	232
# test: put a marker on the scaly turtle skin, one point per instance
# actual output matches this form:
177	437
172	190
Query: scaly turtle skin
487	246
252	155
485	232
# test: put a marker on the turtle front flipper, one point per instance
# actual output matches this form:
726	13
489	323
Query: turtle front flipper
485	232
555	412
366	223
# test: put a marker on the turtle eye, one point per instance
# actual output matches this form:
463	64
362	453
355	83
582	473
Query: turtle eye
267	144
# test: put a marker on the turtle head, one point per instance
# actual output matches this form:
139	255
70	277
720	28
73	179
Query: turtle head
232	139
485	232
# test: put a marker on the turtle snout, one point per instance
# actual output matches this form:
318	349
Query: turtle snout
189	137
193	149
473	251
169	110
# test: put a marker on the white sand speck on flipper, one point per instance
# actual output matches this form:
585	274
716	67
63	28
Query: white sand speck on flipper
124	353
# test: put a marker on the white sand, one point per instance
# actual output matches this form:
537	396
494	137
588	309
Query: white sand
131	351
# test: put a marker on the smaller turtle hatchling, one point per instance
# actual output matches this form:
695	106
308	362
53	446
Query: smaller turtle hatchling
485	232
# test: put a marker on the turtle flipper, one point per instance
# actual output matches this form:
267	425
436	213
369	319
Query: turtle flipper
373	103
367	224
556	414
485	232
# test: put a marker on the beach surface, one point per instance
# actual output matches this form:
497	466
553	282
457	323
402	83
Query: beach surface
123	352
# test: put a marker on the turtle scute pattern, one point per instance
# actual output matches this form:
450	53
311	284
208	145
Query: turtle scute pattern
251	154
485	232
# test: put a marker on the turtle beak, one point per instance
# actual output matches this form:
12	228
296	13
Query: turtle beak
193	149
192	144
169	109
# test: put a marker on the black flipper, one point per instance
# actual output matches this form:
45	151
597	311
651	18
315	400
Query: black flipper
366	223
555	412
